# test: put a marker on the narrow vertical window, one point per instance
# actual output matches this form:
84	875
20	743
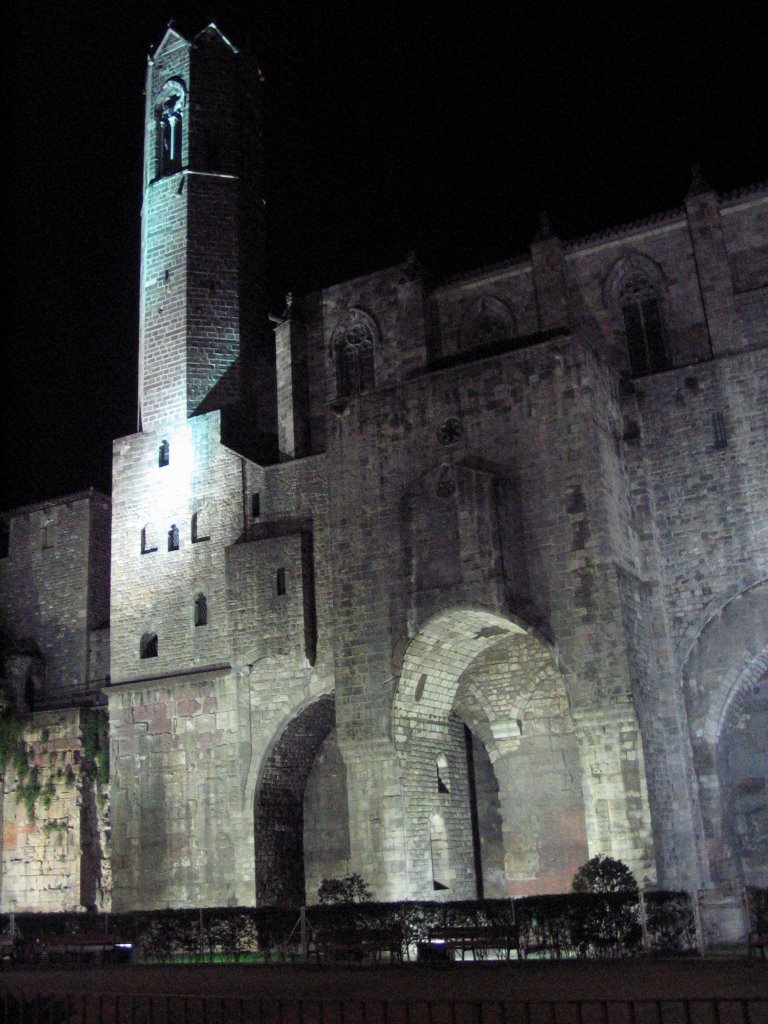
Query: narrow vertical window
148	646
280	582
719	432
440	853
148	539
443	776
163	454
5	540
255	505
47	534
173	538
201	610
200	526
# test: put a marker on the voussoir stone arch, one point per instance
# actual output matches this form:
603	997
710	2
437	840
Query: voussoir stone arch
438	655
260	753
724	666
696	628
727	652
279	803
474	678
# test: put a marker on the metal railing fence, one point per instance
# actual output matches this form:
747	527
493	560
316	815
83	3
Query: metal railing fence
167	1008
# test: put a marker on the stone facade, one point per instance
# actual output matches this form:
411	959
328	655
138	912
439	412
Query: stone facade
468	583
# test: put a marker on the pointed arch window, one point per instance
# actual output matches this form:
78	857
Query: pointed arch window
201	610
173	538
148	646
354	347
641	311
163	454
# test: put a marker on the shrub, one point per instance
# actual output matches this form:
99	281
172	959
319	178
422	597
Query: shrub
604	874
351	889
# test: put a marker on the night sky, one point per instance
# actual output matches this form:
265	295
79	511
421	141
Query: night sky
389	127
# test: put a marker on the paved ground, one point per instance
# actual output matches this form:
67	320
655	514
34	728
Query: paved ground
484	992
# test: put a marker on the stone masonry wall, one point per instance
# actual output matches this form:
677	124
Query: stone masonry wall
54	847
52	586
154	589
178	823
710	507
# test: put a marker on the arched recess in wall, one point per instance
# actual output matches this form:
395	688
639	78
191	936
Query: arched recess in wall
635	293
487	695
301	823
486	322
725	680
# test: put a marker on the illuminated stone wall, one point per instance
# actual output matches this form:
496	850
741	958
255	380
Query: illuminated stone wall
55	852
514	528
54	585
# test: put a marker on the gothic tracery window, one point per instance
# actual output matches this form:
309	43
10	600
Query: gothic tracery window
354	346
201	610
641	312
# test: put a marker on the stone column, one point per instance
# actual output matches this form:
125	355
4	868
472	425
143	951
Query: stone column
292	391
376	817
542	813
712	265
549	278
614	786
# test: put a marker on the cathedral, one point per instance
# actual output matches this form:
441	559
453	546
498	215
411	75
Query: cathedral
451	584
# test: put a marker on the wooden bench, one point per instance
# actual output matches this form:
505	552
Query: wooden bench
345	944
758	941
9	946
474	939
89	947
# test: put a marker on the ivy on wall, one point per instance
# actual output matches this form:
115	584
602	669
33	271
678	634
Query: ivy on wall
16	753
95	736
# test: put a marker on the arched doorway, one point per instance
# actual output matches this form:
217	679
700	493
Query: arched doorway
300	812
482	695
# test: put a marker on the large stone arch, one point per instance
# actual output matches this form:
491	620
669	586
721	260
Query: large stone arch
295	764
725	679
485	693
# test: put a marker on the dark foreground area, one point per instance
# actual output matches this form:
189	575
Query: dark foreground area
717	991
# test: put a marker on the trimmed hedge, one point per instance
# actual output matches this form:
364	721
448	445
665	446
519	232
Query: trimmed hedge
593	925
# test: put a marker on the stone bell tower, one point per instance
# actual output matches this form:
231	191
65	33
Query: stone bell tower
202	261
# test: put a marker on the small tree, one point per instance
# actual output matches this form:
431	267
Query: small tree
604	874
352	889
